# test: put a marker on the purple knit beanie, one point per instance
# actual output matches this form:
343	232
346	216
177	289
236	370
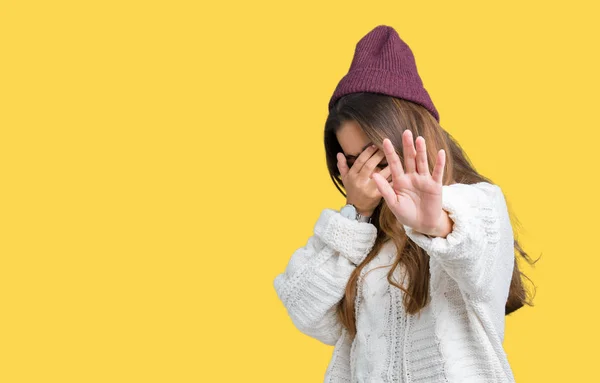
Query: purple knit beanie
385	64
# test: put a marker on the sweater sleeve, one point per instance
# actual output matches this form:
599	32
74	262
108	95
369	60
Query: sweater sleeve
315	279
481	242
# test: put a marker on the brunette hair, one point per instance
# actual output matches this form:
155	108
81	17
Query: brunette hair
381	116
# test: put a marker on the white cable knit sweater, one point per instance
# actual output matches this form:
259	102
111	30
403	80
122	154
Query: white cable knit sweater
456	338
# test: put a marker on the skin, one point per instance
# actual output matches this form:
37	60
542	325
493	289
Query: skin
356	167
413	195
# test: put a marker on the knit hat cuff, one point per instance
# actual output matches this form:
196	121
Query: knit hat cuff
375	80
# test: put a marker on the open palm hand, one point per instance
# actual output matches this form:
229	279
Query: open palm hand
415	196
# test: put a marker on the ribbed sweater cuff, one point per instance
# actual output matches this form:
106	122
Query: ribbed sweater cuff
474	222
353	239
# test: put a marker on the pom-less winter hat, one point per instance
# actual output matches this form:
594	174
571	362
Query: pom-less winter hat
385	64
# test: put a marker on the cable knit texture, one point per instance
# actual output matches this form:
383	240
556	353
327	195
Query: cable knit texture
457	337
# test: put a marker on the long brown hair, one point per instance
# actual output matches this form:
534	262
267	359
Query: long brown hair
382	116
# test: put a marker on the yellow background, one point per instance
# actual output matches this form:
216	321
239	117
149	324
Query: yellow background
161	161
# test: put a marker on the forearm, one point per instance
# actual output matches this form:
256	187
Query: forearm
311	292
315	278
479	240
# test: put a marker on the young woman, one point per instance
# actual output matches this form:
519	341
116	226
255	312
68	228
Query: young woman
411	279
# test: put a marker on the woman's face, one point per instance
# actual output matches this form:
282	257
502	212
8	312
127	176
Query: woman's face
353	141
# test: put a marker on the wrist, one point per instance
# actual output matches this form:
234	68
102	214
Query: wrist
361	211
365	213
444	227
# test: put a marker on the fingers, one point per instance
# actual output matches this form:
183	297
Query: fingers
372	162
392	159
438	169
386	190
422	165
342	164
409	151
362	158
386	173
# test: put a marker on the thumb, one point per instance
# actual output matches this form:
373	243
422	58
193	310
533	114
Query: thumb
342	164
385	189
